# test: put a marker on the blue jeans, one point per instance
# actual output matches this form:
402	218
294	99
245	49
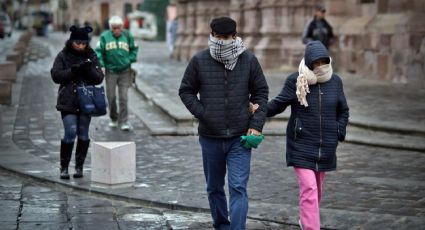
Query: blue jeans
75	124
217	154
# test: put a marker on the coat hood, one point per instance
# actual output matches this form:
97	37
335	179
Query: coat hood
314	50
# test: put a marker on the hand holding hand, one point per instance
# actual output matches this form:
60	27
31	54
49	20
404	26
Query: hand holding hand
253	132
253	107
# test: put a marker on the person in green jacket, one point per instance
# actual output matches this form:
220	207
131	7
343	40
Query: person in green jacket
116	51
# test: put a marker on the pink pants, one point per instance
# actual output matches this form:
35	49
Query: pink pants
310	183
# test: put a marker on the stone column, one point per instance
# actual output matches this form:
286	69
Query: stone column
189	30
338	13
237	14
206	10
181	28
267	50
295	14
251	23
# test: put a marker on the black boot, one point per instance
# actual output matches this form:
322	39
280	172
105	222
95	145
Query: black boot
80	156
65	157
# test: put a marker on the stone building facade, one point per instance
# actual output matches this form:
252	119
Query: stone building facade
98	10
380	39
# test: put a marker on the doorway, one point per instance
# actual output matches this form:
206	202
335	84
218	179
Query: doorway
104	15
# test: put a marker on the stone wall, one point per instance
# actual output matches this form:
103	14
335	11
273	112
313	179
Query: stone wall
382	39
386	41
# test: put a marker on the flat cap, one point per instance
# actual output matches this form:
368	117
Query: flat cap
223	26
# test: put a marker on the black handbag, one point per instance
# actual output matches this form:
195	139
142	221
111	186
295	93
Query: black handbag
92	100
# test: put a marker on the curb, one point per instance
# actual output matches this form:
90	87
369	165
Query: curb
117	197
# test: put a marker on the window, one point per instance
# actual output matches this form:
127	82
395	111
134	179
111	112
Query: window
128	8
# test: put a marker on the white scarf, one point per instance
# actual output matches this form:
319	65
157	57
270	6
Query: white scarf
226	51
307	77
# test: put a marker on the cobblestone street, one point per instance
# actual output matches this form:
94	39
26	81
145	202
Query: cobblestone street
26	204
373	188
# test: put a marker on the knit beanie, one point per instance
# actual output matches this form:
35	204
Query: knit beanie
80	34
223	26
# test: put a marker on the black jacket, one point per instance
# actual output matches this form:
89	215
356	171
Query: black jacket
223	104
318	30
313	132
61	73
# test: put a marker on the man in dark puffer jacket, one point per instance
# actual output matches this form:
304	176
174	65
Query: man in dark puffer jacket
319	116
227	77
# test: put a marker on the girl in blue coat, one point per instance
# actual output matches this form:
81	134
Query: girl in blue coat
319	116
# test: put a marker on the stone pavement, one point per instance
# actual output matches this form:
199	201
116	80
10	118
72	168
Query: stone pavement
29	204
373	188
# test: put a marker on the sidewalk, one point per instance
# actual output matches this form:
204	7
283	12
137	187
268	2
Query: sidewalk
373	188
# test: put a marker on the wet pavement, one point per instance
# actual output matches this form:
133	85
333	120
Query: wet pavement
28	204
373	188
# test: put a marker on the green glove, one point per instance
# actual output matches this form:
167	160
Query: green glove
251	141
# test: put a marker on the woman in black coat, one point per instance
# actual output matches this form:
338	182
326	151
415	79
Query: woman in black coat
74	65
319	116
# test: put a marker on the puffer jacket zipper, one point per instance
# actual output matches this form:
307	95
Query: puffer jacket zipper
226	102
296	127
320	122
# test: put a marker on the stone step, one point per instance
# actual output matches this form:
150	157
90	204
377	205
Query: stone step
175	111
179	113
358	135
157	122
163	116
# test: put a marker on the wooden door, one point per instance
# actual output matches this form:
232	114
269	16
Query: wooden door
104	15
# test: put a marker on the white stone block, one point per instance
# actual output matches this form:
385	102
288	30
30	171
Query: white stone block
113	162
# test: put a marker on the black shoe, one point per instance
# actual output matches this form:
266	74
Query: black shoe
78	172
64	173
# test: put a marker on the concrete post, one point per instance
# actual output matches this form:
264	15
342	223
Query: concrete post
113	162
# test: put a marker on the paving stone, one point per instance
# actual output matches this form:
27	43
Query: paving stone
8	225
43	226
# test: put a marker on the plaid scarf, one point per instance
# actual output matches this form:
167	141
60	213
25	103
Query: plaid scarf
226	51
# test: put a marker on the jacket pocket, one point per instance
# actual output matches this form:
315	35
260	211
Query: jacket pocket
65	96
297	128
341	132
203	113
